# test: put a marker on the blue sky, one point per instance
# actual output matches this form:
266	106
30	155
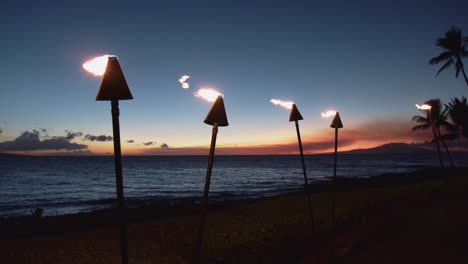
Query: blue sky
367	59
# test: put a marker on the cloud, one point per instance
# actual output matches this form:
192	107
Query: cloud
131	141
149	143
101	138
72	135
1	130
43	133
31	141
164	145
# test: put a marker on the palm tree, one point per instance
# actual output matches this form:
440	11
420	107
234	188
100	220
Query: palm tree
455	47
458	112
435	119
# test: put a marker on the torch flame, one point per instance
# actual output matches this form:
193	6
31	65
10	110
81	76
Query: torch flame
423	107
208	94
328	114
287	105
183	80
97	66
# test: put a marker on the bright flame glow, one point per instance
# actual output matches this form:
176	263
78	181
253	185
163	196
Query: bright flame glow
287	105
97	66
328	114
424	107
208	94
183	80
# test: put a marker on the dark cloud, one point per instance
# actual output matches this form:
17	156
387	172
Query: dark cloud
164	145
43	132
98	138
131	141
31	141
1	130
149	143
72	135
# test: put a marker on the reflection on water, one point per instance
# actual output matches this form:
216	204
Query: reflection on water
73	184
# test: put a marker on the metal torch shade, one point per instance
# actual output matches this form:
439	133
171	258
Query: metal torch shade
217	113
336	123
295	115
113	84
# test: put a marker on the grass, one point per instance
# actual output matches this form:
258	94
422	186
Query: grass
269	230
435	232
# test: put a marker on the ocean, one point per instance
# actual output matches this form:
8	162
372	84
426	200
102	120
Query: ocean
63	185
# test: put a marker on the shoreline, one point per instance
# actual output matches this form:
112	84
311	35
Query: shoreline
262	230
30	225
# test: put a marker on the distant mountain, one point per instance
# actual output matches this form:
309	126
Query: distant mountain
392	148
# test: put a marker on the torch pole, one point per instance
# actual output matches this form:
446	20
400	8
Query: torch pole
204	202
334	183
306	183
119	180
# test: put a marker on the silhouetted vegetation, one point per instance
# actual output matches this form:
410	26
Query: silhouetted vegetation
455	48
435	118
458	112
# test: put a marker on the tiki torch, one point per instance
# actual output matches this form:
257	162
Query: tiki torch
114	88
216	117
296	116
336	124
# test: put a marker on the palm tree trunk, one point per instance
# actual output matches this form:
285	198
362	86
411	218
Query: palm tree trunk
446	149
464	75
436	138
462	68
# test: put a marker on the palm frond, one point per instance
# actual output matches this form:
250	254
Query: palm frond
444	113
446	55
448	126
451	136
450	62
452	39
420	119
421	127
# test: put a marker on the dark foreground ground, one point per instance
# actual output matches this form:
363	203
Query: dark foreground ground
417	217
433	232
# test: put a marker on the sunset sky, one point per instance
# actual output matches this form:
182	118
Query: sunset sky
366	59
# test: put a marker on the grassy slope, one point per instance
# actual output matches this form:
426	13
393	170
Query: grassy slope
275	230
435	232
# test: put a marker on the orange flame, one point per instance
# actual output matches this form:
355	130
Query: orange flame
208	94
97	66
287	105
423	107
328	113
183	81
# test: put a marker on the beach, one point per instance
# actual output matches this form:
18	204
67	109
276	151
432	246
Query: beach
261	230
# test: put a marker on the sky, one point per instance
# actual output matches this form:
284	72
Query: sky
366	59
